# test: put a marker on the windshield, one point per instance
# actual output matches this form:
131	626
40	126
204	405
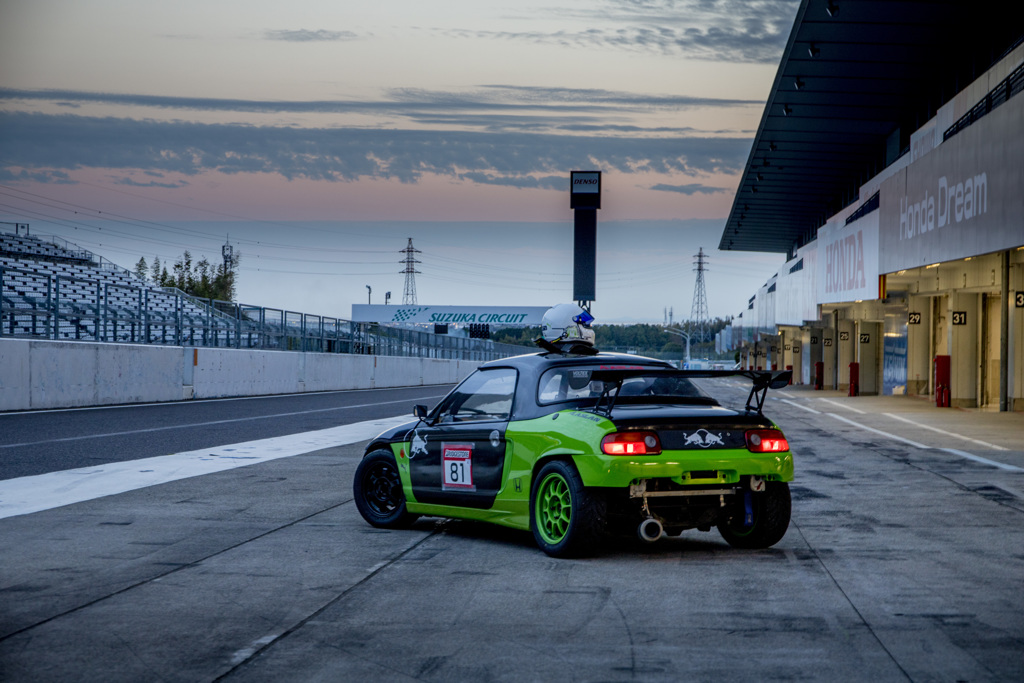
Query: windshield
575	384
484	395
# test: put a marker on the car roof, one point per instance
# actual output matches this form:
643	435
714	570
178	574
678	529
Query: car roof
538	362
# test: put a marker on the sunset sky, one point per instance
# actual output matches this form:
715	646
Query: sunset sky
318	136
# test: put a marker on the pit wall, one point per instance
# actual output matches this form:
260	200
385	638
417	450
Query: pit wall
37	375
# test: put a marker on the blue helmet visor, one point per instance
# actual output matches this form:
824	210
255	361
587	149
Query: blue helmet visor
584	318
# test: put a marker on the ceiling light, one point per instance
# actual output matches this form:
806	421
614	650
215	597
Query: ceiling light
813	51
832	8
798	84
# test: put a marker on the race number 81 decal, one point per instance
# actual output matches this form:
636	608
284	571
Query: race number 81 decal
457	467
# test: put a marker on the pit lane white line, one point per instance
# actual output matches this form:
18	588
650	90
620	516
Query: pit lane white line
880	432
204	424
797	405
841	405
944	432
986	461
962	454
26	495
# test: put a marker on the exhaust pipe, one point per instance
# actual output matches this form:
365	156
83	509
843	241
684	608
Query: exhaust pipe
650	530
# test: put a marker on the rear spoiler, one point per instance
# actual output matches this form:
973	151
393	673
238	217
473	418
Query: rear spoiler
762	380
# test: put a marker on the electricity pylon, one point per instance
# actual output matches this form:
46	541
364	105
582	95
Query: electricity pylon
409	295
699	318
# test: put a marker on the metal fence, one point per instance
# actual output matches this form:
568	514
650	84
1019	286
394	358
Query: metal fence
67	308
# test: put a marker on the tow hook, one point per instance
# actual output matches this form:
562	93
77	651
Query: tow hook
757	484
748	509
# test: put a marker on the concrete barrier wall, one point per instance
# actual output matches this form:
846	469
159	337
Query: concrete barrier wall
49	374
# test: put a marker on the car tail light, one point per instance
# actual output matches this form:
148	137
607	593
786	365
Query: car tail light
766	441
631	443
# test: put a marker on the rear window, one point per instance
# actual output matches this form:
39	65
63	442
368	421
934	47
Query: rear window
575	384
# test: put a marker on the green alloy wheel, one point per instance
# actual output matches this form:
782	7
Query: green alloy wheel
566	519
378	491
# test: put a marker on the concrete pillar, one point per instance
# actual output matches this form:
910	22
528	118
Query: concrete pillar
796	344
963	316
814	352
869	339
919	348
847	351
828	356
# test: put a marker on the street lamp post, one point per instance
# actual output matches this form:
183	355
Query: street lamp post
685	335
369	291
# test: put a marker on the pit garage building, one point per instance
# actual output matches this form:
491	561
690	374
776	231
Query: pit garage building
889	167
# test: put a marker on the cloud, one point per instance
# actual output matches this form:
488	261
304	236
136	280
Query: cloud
59	143
306	36
44	176
551	182
153	183
403	101
488	107
714	30
690	189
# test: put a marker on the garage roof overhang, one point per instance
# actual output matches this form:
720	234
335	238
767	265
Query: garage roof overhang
856	79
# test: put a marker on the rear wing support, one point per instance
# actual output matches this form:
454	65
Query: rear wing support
762	380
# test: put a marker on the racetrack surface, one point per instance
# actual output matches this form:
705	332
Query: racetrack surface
48	441
903	562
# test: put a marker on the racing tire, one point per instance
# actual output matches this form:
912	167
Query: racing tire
566	519
771	512
378	491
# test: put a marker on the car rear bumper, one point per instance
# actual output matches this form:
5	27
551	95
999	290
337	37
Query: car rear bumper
684	467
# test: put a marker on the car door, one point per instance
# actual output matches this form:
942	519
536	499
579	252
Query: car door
457	457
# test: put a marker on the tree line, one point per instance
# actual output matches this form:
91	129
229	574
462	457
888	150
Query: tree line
648	340
200	279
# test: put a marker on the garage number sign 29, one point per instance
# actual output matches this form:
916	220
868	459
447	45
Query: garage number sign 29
914	318
457	466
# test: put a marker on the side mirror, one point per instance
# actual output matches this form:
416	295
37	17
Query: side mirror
419	412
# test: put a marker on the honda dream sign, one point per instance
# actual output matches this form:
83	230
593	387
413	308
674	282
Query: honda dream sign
962	198
584	189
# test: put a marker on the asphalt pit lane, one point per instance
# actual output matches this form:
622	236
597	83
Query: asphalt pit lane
804	493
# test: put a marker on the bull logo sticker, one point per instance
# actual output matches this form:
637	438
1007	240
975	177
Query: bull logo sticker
418	446
704	439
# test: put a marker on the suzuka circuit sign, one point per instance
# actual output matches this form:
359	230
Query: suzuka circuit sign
523	316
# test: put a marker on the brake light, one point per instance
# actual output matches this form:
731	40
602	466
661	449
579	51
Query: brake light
631	443
766	441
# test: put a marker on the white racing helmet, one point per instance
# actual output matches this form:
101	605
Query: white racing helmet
567	323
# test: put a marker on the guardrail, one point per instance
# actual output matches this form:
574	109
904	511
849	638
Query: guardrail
67	308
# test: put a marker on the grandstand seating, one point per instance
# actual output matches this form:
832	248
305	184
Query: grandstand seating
54	289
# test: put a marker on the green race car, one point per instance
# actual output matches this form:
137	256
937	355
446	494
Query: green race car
576	446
